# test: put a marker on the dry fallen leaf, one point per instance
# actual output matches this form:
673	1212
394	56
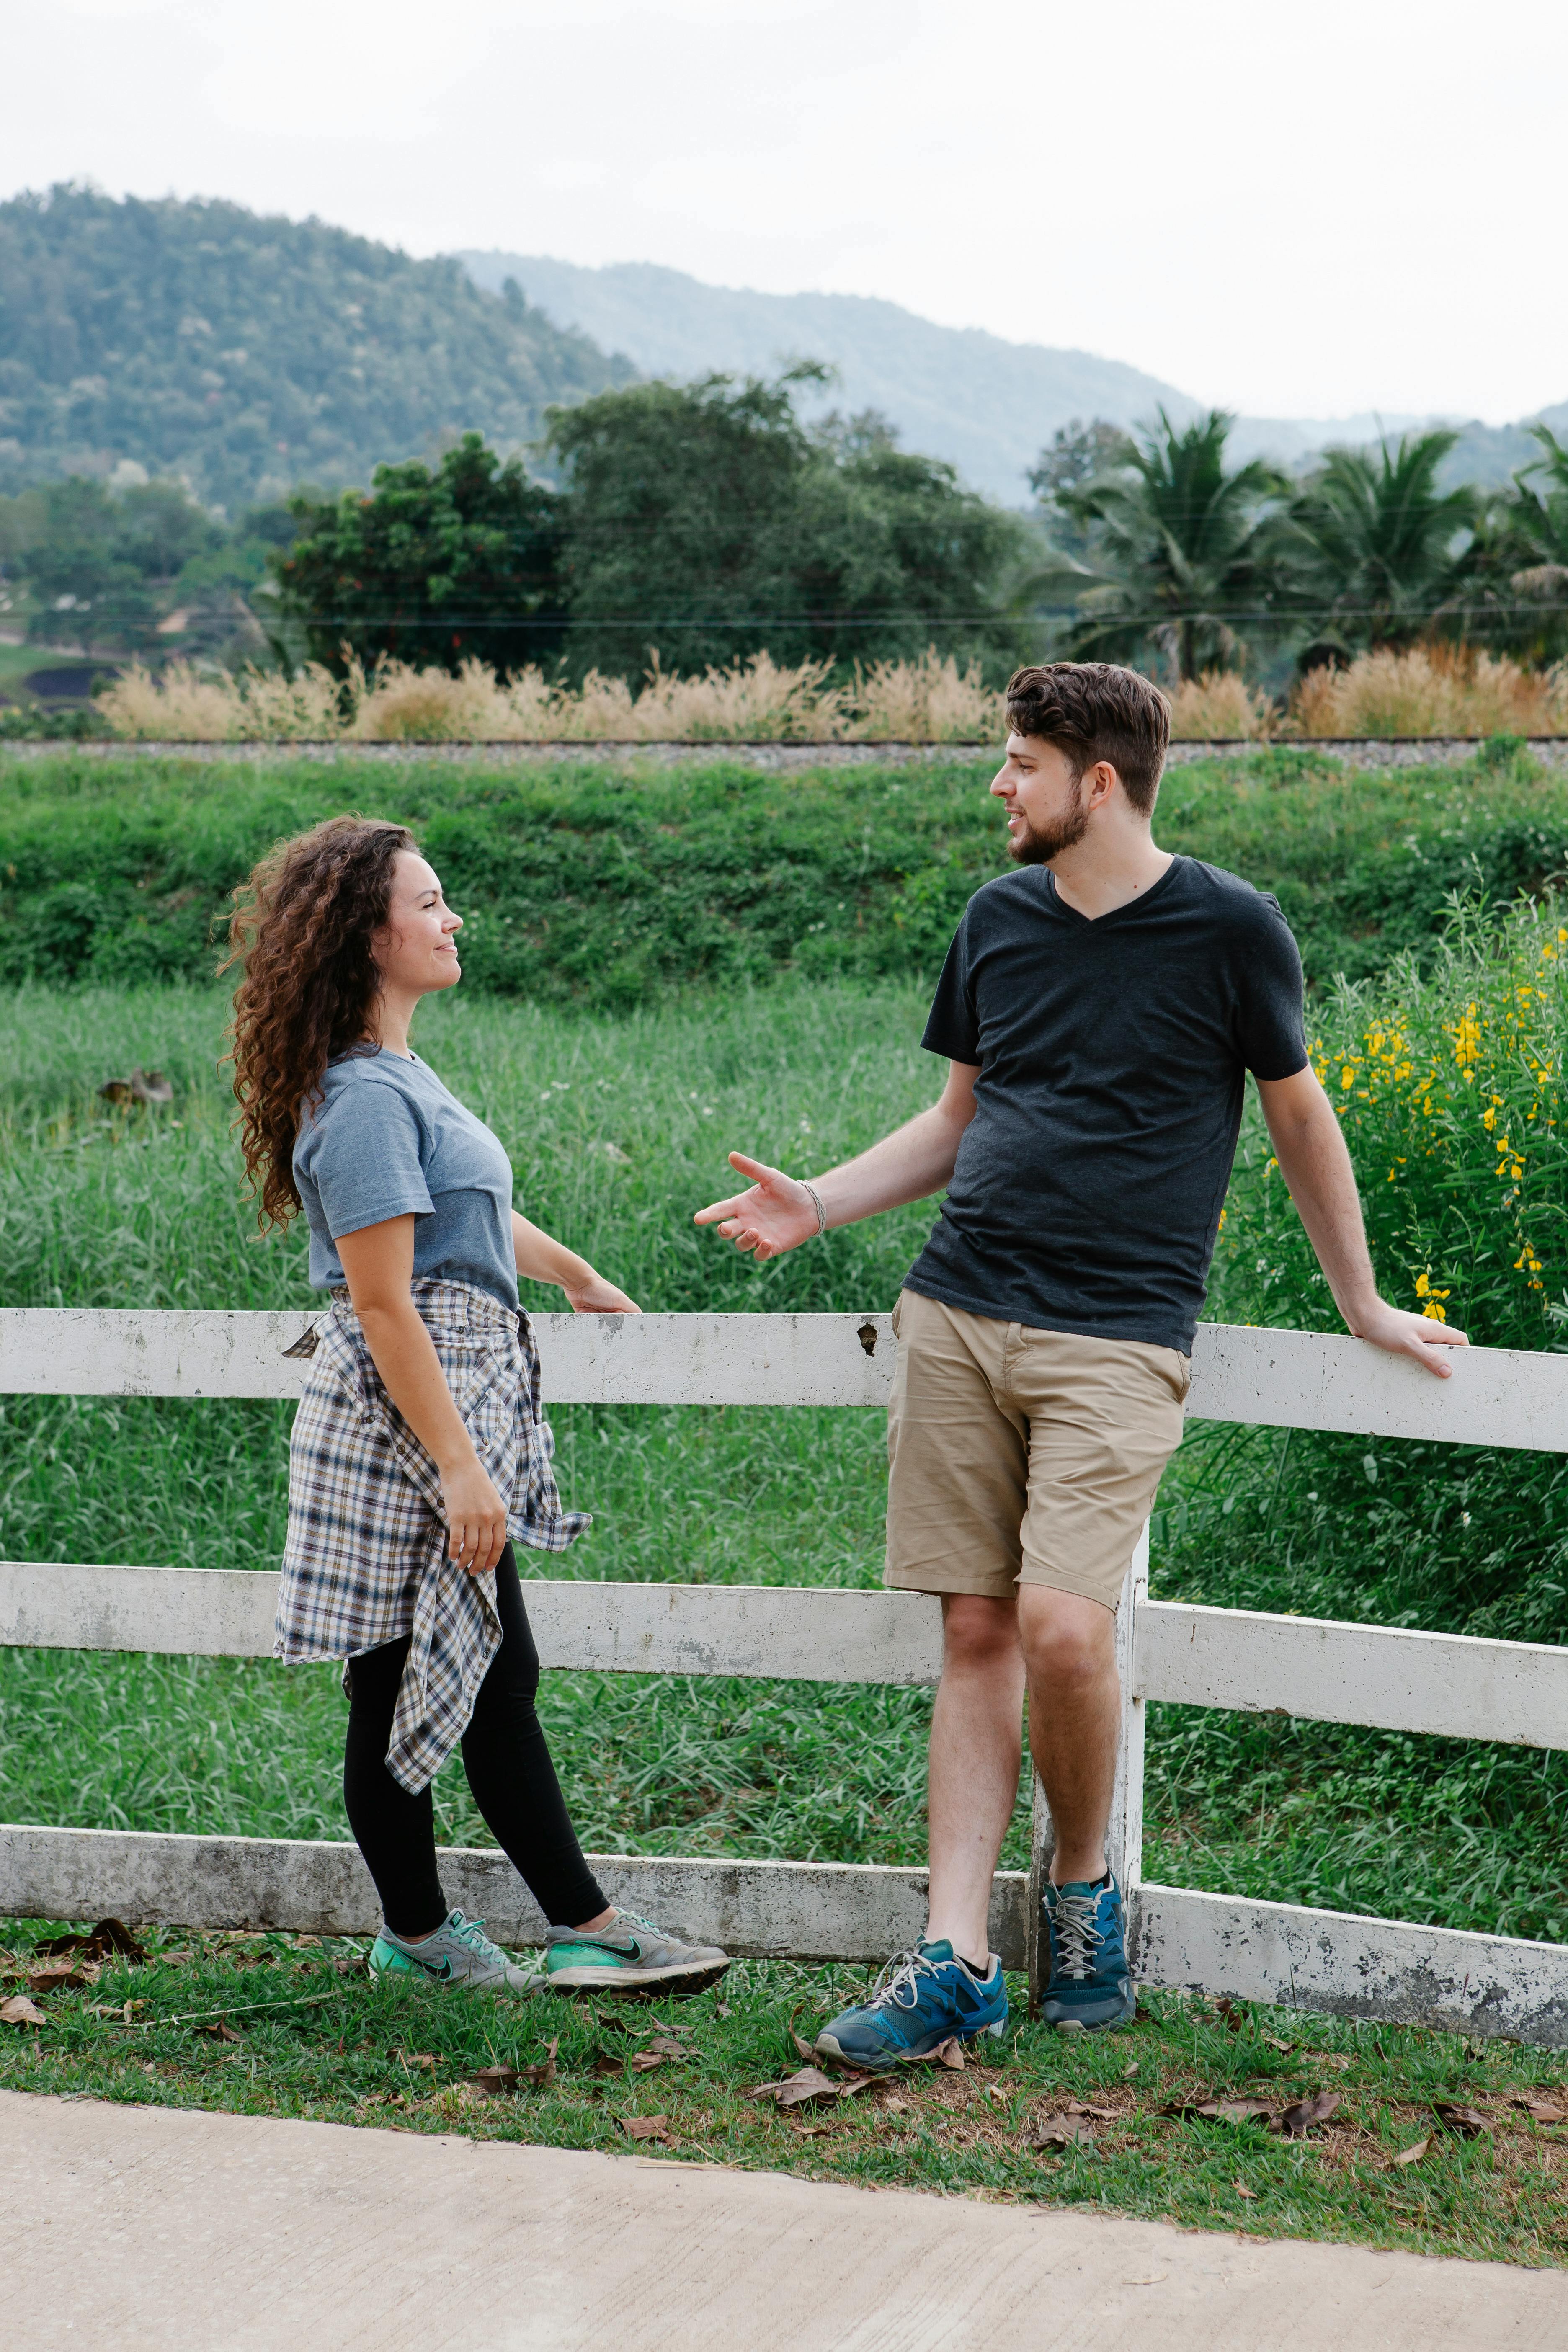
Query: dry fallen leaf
647	2127
994	2091
1304	2115
1412	2155
1100	2115
1063	2131
1468	2123
896	2106
1542	2110
61	1976
806	2085
605	2063
950	2055
1242	2189
110	1936
496	2082
646	2062
1225	2111
803	2049
20	2011
1275	2044
222	2030
1233	2018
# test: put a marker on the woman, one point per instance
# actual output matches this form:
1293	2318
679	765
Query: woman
419	1454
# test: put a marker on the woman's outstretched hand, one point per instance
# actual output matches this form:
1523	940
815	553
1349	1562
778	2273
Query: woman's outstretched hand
775	1215
597	1297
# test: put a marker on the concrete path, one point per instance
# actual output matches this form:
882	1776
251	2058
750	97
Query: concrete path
157	2230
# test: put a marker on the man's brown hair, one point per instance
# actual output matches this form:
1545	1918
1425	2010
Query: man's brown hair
1092	711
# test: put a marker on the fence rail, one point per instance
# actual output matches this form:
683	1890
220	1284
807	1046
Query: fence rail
1400	1680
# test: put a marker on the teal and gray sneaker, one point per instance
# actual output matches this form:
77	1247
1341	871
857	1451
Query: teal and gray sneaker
629	1956
1090	1986
922	2000
458	1953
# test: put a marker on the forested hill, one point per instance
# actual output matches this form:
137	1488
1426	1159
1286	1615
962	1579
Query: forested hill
250	353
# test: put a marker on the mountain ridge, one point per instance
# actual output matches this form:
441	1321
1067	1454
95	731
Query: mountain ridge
984	405
248	352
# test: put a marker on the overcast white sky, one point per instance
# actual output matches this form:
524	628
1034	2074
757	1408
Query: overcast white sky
1305	211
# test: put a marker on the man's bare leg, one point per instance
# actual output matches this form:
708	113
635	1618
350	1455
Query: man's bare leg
1069	1646
976	1747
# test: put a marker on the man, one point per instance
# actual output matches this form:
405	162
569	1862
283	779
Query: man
1098	1009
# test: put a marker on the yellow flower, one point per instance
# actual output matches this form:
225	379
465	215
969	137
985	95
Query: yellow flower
1437	1314
1489	1118
1347	1077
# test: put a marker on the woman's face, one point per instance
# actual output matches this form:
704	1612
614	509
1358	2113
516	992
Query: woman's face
415	950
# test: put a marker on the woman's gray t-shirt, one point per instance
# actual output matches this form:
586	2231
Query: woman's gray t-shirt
387	1140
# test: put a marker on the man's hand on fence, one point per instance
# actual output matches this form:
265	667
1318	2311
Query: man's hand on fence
1403	1334
775	1215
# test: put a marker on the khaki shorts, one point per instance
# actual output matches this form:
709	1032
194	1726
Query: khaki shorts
1019	1455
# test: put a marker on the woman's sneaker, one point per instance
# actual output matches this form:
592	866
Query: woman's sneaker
1090	1986
630	1955
922	2000
460	1952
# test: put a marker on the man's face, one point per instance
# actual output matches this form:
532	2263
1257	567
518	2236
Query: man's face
1044	801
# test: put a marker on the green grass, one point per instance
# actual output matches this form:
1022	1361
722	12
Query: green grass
309	2040
609	885
101	1207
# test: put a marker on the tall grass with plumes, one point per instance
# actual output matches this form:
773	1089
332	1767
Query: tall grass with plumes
1218	708
1430	690
617	1129
755	700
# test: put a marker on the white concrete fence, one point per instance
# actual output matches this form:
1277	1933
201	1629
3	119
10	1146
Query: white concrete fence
1216	1944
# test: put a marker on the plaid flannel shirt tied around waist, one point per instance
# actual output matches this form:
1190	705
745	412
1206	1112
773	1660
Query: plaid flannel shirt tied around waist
366	1558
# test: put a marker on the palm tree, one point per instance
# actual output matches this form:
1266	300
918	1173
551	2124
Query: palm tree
1179	553
1383	547
1537	518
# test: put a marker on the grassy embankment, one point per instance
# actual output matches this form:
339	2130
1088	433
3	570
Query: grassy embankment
99	1207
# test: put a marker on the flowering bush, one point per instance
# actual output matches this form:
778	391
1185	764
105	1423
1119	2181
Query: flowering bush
1450	1088
1451	1091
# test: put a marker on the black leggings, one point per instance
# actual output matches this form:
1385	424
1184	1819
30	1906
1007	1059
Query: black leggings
509	1772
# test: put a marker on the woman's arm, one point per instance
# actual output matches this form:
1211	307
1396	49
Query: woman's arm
544	1260
378	1265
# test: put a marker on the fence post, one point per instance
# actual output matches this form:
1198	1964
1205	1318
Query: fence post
1124	1839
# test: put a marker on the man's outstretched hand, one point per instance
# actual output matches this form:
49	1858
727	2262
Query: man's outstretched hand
775	1215
1403	1334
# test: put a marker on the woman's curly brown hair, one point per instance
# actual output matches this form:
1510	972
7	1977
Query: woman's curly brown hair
300	932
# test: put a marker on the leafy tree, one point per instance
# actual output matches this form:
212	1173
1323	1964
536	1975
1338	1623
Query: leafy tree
705	521
431	568
1078	454
1180	556
102	565
1537	539
1383	549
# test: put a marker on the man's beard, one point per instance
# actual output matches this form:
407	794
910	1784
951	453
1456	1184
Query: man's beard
1037	845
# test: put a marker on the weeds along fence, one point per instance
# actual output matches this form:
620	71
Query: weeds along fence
1455	1686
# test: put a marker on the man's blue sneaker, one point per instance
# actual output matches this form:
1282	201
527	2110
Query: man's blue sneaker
1088	1987
922	2000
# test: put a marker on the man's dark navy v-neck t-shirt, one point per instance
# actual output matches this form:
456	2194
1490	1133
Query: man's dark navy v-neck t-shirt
1112	1059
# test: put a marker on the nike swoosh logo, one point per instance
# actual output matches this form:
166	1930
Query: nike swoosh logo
431	1967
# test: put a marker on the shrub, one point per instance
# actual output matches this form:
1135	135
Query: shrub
1431	690
1219	707
1450	1088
